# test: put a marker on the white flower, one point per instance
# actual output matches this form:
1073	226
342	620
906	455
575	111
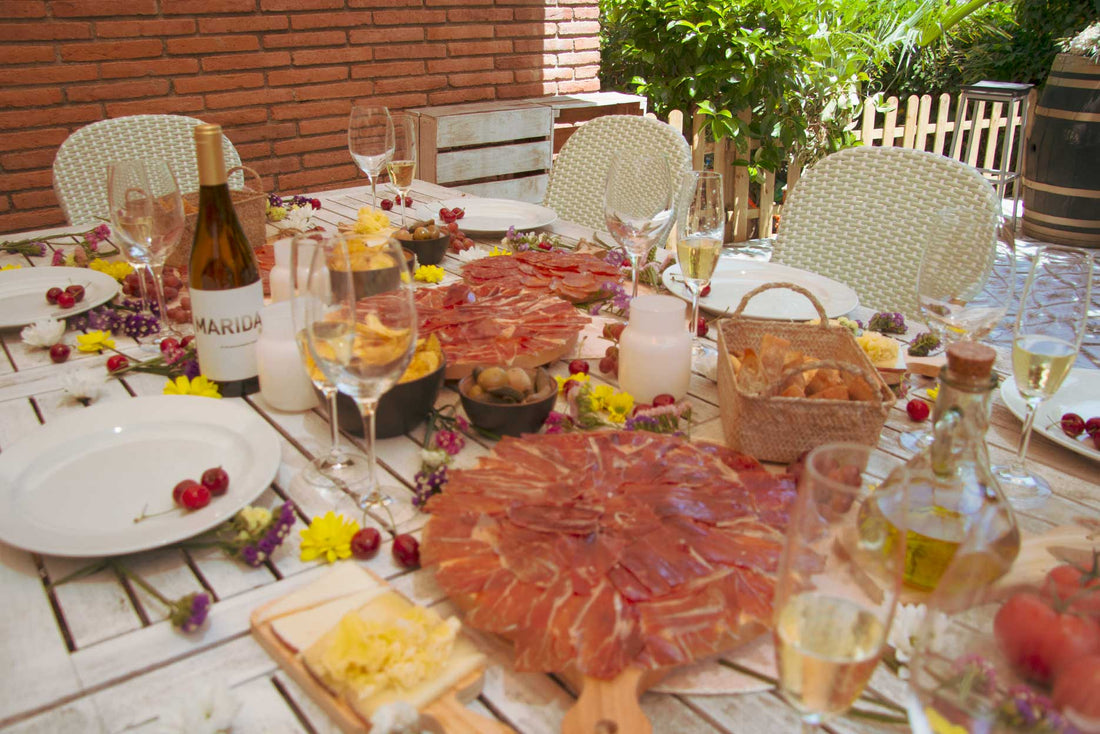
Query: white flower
398	717
909	619
433	458
209	711
82	385
707	364
44	333
474	253
298	218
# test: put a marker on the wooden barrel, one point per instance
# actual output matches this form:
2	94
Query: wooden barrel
1062	160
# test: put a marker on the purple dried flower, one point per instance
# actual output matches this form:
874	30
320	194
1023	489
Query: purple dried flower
595	308
429	483
250	555
887	322
462	424
190	612
275	200
191	369
522	247
449	441
615	258
511	233
138	325
102	231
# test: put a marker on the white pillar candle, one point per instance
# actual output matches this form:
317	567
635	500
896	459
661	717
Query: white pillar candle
282	286
655	349
284	383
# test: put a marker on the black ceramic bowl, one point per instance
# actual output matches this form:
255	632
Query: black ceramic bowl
370	282
400	410
511	419
428	252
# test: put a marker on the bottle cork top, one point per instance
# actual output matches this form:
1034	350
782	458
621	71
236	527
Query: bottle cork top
970	361
208	154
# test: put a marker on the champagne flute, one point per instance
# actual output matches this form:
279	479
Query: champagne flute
338	464
402	166
638	204
700	230
838	584
1050	325
963	291
370	140
361	332
147	214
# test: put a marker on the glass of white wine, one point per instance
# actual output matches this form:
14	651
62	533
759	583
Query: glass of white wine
361	331
700	230
402	166
839	580
638	204
1050	325
370	141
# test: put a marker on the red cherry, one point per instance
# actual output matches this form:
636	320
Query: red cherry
705	291
53	293
215	480
640	407
314	203
1092	426
609	364
408	201
446	217
66	299
365	543
406	550
578	367
458	213
386	205
663	399
77	292
1096	440
1073	424
918	410
117	362
452	227
195	496
177	491
701	327
169	344
186	341
60	352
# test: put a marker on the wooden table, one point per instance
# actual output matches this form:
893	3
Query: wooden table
98	654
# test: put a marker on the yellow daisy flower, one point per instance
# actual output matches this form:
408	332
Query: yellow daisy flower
933	393
940	724
577	377
199	386
498	251
11	267
95	341
117	270
619	406
600	395
429	274
328	537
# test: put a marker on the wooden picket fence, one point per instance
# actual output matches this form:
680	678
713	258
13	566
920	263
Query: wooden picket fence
922	123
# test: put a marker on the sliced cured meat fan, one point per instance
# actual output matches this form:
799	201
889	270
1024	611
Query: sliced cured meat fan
575	276
608	549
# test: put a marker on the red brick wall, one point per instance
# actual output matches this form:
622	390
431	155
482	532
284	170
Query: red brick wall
279	75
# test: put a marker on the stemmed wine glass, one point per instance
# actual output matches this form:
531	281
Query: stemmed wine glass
1050	325
147	214
402	166
361	332
370	140
638	204
700	230
963	291
839	579
338	464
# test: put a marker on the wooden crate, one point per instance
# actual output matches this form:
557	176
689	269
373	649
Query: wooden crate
572	110
495	149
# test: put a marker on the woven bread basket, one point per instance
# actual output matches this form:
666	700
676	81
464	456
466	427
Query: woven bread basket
780	429
249	204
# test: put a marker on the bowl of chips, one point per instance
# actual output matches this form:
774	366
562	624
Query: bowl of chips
373	269
405	404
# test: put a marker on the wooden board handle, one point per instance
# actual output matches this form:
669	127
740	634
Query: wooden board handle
608	707
448	715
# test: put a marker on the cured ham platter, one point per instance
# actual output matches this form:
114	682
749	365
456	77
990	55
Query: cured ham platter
575	276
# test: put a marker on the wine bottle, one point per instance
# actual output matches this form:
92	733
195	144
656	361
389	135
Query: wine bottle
226	291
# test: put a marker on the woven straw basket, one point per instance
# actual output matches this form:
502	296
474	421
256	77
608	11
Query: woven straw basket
249	204
780	429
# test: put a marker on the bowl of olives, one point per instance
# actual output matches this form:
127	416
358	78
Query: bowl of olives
508	400
426	240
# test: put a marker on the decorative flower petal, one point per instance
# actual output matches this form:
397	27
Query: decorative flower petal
44	333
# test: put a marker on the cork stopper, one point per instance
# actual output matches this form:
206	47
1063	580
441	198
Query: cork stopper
970	361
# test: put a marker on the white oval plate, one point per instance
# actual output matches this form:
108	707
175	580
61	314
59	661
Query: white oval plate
74	486
1079	394
734	277
23	293
495	216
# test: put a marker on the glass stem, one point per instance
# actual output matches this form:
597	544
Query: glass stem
634	274
373	497
1019	464
145	304
373	191
402	194
162	308
336	454
693	327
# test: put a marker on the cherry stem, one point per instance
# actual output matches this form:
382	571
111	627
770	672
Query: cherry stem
127	573
146	515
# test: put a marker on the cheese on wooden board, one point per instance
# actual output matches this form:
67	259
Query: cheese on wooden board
299	630
345	580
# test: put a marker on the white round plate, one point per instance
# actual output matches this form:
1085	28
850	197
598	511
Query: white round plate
734	277
495	216
23	293
74	486
1079	394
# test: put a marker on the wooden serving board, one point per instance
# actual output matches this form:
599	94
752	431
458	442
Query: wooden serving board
457	371
447	714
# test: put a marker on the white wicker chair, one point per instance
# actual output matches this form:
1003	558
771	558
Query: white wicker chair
80	167
863	215
577	178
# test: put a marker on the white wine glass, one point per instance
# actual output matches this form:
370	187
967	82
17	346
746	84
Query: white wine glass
839	579
339	466
700	231
963	291
1050	325
147	215
638	204
370	141
361	332
402	166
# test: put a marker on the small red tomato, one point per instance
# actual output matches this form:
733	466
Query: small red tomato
1072	588
578	367
177	491
186	341
1075	691
66	299
365	543
701	327
386	205
918	410
1039	641
169	344
215	480
1092	426
60	352
705	292
53	293
406	550
663	399
117	362
1073	424
76	291
195	497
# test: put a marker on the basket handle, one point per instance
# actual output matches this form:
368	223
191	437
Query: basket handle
887	395
245	169
823	320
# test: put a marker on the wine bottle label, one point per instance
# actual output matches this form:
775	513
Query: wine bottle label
227	326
